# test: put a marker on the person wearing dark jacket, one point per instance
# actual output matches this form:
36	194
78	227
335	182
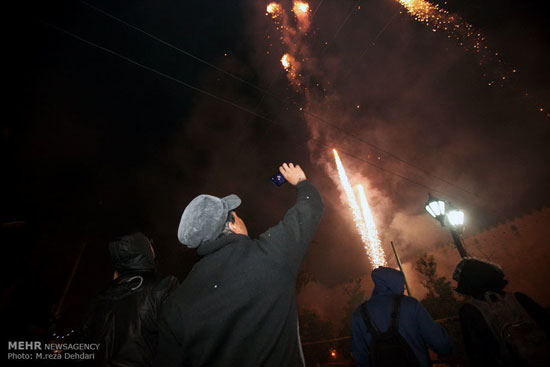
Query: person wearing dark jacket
416	325
237	306
481	280
123	317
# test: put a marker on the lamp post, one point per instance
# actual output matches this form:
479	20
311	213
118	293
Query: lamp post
449	216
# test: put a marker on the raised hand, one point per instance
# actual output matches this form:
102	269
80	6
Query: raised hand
292	173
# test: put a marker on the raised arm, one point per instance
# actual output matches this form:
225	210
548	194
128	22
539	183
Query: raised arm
288	240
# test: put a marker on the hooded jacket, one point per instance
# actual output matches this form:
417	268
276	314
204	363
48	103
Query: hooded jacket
415	323
237	306
123	317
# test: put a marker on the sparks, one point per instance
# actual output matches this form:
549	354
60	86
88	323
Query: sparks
292	68
274	9
285	60
376	252
371	248
300	8
463	32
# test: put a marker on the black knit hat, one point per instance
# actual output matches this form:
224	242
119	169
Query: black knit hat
475	277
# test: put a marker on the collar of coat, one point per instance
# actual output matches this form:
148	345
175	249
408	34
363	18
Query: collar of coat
207	248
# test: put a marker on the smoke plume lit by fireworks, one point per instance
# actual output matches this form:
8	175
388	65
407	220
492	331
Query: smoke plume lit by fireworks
326	94
291	36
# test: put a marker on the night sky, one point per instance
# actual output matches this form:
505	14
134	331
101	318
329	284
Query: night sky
97	145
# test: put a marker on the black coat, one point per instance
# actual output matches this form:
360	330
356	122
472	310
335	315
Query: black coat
482	346
123	318
237	307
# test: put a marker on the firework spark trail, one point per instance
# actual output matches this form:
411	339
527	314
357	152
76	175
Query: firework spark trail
494	69
360	224
376	252
431	15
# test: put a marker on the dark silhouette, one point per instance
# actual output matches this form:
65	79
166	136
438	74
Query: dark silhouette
499	328
123	317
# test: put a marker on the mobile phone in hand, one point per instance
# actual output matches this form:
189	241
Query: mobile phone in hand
278	179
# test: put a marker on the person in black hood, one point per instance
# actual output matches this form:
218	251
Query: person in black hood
123	317
499	328
237	306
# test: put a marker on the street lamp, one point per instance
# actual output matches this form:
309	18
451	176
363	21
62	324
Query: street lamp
448	215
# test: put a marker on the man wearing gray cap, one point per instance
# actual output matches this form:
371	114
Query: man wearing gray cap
237	306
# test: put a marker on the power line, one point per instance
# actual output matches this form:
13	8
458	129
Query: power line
379	167
154	70
175	48
378	35
220	99
332	125
316	9
341	26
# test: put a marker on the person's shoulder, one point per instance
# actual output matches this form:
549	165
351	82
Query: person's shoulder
174	300
523	298
469	311
358	308
409	301
155	278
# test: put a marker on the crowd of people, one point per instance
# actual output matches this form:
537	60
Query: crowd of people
237	306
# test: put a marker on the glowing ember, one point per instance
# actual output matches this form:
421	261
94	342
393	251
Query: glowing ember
300	8
285	60
274	9
375	253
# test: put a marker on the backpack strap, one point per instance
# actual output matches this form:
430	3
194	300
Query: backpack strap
394	326
366	317
395	312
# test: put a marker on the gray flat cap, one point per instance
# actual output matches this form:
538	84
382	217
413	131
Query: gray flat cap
203	219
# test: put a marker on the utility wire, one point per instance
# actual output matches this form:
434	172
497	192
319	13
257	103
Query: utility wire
377	166
341	26
220	99
176	48
316	9
154	70
378	35
334	126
